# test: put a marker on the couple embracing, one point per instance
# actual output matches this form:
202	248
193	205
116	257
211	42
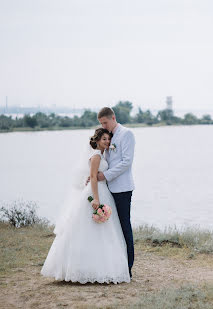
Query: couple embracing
87	251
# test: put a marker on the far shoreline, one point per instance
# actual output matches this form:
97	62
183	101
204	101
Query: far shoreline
128	125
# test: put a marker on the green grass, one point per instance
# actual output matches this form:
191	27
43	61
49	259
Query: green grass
21	247
201	241
185	297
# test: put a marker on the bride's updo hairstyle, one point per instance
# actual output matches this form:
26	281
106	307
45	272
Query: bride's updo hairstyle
97	137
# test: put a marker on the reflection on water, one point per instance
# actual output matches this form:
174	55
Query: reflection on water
173	171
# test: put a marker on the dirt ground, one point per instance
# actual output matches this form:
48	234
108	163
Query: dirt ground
26	288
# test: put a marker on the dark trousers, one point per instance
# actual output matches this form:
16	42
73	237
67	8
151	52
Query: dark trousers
123	203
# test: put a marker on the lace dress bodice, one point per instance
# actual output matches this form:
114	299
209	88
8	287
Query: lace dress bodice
103	164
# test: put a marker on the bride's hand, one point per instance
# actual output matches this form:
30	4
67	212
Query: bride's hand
95	204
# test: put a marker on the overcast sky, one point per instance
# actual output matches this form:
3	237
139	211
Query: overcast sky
93	53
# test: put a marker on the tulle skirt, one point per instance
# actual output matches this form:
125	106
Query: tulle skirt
86	251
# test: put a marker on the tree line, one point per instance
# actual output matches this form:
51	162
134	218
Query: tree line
89	118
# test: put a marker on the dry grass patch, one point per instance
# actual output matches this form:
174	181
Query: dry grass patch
198	241
21	247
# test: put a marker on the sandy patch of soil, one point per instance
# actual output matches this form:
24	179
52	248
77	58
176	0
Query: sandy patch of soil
26	288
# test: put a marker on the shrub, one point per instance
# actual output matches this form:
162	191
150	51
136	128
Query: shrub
20	214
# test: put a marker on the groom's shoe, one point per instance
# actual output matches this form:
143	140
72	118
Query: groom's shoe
130	273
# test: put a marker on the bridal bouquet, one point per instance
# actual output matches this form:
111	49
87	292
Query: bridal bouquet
101	214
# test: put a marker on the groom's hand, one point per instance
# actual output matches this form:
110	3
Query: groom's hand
88	180
100	176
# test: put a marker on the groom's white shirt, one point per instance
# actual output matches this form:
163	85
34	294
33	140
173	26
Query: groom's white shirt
119	175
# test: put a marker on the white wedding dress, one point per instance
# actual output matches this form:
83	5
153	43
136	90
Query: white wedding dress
86	251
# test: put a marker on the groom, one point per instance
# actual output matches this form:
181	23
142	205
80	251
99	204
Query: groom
119	175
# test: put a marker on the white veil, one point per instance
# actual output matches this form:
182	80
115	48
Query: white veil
79	176
82	169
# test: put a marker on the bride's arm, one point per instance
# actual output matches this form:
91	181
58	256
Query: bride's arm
95	162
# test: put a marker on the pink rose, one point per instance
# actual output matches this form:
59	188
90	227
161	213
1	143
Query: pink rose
100	212
95	217
106	214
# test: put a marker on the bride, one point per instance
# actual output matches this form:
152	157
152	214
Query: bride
83	250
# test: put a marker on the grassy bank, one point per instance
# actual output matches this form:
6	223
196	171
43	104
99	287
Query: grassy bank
173	269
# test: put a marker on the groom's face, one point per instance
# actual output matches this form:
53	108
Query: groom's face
108	123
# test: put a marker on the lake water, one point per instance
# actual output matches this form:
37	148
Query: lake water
173	172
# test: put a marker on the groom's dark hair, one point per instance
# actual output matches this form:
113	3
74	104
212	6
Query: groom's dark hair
106	112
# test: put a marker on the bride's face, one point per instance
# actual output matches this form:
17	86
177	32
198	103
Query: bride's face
104	142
